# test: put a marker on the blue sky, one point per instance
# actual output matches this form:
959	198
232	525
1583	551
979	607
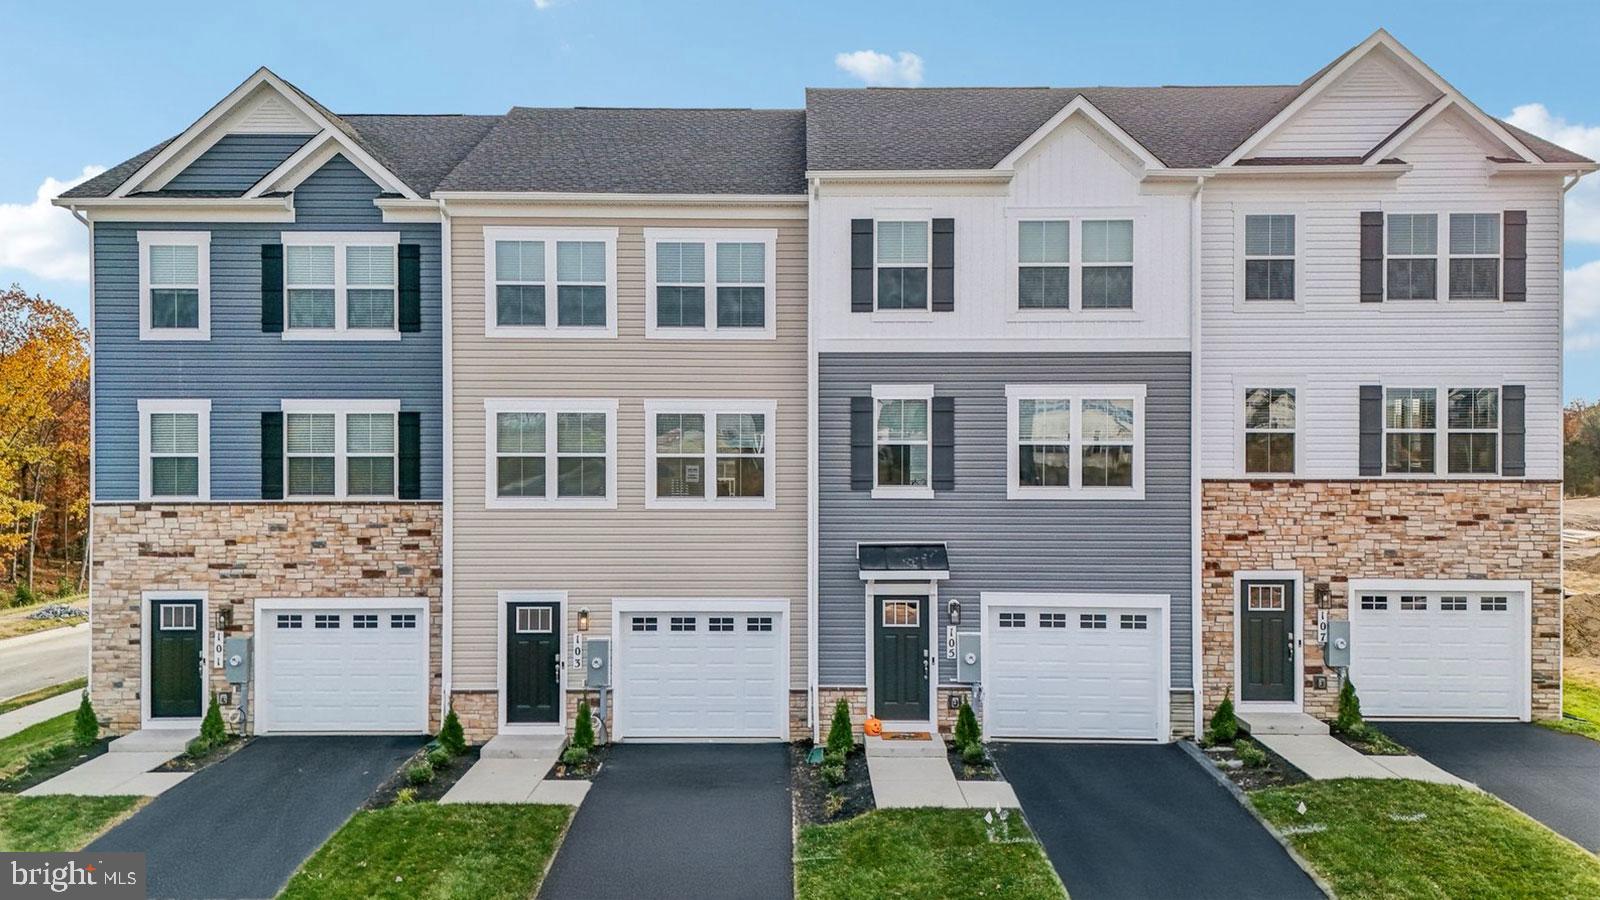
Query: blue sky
92	83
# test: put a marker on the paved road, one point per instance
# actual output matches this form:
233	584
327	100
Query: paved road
1551	776
241	827
43	658
681	820
1120	820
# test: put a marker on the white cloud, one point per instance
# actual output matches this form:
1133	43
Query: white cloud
1583	201
45	241
544	4
1581	309
881	69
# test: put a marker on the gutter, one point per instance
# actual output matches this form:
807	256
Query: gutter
447	531
1196	650
813	366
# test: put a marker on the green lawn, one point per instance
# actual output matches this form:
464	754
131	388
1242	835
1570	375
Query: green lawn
922	853
430	851
14	750
1411	839
58	824
33	697
1580	697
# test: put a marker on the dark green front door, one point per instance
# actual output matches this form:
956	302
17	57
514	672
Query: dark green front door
533	662
175	657
900	659
1266	648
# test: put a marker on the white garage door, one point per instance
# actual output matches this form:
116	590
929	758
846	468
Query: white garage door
1449	655
699	674
343	670
1073	673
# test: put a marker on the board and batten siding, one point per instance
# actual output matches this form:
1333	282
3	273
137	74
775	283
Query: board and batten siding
630	552
1330	344
236	162
995	544
243	371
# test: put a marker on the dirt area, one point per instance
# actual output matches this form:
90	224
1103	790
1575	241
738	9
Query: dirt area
984	771
815	801
1274	772
1580	545
444	778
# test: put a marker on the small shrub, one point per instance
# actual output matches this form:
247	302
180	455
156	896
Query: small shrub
833	775
419	774
211	728
833	804
48	755
439	757
575	756
841	739
967	733
197	748
1250	754
405	796
24	595
583	731
451	737
972	755
831	758
1224	727
85	727
1349	719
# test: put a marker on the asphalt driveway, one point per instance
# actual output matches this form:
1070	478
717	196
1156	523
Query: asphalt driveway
681	820
1140	821
241	827
1551	776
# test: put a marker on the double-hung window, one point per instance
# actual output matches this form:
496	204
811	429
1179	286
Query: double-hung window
341	285
1410	424
1044	264
1412	266
174	285
1269	431
1474	256
550	282
1075	441
902	440
1047	254
1269	257
1107	263
705	283
709	453
902	264
175	449
1473	431
339	448
557	453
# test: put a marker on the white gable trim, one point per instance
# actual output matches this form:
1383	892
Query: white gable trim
1409	130
1080	105
204	133
1379	38
316	153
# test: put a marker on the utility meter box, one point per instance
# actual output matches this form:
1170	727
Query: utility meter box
969	656
236	660
597	668
1337	651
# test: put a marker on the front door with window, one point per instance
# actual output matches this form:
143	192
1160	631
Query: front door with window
533	662
900	659
175	659
1266	641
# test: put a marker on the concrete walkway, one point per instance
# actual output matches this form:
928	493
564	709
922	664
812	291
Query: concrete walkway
124	769
1305	742
918	774
511	769
34	713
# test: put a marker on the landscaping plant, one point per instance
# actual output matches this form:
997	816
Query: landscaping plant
439	757
212	731
1250	754
1349	719
1224	727
85	727
583	731
419	774
833	774
972	754
575	756
451	737
967	733
841	739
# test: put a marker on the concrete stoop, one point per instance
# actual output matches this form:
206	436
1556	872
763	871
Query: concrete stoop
154	740
524	746
931	747
1259	723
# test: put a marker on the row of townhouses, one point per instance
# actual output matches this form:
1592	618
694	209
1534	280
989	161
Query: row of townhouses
1137	397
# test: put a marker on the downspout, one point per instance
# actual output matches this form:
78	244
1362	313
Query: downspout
1196	650
88	518
812	367
1561	378
447	551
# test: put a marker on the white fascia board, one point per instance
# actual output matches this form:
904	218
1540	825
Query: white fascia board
972	176
177	145
1080	105
182	209
315	154
1430	112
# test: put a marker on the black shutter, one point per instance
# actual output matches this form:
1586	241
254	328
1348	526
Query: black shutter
944	265
1515	244
1513	432
944	443
271	288
272	456
410	315
1371	429
409	483
861	444
1372	257
861	265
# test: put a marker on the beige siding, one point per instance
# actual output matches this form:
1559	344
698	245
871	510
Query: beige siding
630	551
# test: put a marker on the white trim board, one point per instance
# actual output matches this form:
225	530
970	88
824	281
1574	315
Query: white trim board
928	589
503	600
1297	619
146	624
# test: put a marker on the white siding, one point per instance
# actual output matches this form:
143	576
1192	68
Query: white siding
1331	343
1355	113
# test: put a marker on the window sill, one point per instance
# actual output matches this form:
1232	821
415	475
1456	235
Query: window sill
534	332
663	503
1272	306
174	334
335	498
1072	494
513	503
903	316
728	333
174	498
1074	316
902	493
306	334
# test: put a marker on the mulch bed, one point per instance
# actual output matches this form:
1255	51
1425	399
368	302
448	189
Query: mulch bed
1385	746
187	763
812	804
68	759
963	772
1277	772
443	779
584	771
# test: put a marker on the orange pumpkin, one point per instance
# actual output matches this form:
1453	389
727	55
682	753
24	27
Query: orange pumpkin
874	726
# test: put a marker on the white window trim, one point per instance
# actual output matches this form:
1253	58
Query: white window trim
202	410
1077	394
1298	304
710	237
1074	217
1440	257
923	392
339	409
1442	292
201	240
340	241
550	407
1499	254
1442	456
1241	391
1437	430
550	237
710	409
1442	431
902	215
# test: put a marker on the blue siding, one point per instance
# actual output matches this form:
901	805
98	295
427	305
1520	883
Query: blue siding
237	162
1133	546
241	370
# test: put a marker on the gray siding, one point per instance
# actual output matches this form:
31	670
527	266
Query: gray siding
237	162
1137	546
241	370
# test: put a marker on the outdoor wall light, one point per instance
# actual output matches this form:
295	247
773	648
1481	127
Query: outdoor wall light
583	619
954	608
1322	592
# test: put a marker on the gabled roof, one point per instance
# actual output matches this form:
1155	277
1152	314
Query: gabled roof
638	151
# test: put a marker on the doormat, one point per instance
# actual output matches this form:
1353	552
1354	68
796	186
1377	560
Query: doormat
906	736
